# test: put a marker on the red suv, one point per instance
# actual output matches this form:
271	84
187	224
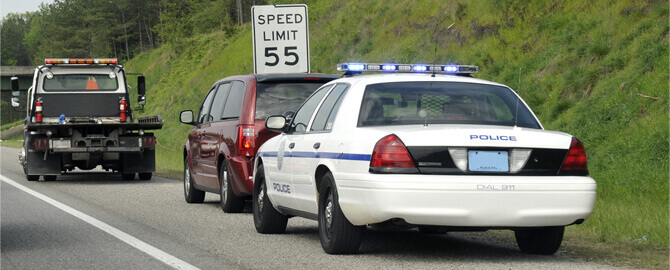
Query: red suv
230	127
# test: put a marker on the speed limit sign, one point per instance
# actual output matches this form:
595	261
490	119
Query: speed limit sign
281	38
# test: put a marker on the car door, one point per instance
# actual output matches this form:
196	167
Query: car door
311	147
212	139
195	137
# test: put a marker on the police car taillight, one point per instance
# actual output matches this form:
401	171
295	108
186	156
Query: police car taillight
575	160
407	68
390	152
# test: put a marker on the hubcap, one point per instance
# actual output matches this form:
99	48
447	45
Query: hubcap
224	186
329	211
187	180
261	195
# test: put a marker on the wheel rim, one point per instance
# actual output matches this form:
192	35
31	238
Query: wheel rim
224	186
187	179
261	196
328	214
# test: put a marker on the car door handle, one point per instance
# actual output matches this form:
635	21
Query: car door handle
291	145
317	145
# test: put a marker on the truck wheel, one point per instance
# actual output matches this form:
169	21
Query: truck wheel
50	177
544	240
128	176
229	202
266	218
32	177
337	234
145	176
191	194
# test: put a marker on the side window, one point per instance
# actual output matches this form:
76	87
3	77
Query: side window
234	101
219	100
326	115
301	118
203	115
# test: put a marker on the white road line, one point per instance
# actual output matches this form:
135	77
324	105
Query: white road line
129	239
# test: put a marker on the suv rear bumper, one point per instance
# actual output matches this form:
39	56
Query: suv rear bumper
241	172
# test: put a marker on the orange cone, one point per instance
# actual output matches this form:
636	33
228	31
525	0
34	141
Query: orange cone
91	84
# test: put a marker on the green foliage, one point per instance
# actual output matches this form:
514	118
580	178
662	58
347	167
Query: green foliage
12	32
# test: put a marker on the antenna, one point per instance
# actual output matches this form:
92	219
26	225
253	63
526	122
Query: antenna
516	113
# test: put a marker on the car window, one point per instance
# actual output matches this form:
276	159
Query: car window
219	101
275	98
304	114
203	115
326	115
407	103
234	101
80	82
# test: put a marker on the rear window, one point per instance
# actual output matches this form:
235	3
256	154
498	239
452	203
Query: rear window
409	103
279	97
80	82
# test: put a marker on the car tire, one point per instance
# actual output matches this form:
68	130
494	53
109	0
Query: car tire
429	229
266	218
32	177
191	194
145	176
337	234
544	240
50	177
128	176
230	203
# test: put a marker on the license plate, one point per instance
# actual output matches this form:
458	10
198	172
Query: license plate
60	144
488	161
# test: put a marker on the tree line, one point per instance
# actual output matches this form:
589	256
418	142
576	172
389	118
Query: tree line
113	28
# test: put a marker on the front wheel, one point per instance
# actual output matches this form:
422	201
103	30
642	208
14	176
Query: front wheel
337	234
543	240
145	176
191	194
229	202
266	218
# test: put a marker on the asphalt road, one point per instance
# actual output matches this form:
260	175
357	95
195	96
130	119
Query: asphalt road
166	232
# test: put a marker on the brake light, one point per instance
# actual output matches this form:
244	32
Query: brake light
246	140
390	152
576	158
38	111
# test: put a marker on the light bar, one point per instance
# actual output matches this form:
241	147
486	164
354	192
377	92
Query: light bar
407	68
53	61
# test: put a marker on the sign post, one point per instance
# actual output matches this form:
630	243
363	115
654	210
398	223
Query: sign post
280	38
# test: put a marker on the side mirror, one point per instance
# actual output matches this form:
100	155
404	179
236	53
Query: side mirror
186	117
275	123
142	100
141	86
15	92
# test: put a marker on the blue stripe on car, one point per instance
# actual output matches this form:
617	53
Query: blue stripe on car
326	155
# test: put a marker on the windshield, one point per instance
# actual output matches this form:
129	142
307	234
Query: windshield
409	103
80	82
279	97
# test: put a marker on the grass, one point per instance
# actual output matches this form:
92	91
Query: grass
597	70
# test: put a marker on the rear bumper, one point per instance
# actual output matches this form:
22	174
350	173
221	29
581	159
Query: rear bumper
466	201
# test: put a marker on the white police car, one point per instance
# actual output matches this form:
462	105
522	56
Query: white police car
439	152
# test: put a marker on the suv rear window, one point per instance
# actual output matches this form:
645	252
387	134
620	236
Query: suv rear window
81	82
409	103
279	97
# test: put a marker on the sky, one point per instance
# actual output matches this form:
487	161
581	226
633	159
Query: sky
20	6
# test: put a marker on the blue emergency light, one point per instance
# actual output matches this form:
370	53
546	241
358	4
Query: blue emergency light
406	68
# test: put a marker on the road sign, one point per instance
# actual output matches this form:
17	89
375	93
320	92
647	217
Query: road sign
281	38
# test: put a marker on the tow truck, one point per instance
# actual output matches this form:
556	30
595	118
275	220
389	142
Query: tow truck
78	116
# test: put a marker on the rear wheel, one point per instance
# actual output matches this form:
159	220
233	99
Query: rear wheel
191	194
337	234
229	202
50	177
266	218
145	176
32	177
544	240
128	176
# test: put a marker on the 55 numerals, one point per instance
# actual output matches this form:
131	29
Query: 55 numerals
270	52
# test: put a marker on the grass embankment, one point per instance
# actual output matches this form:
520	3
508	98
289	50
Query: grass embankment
596	69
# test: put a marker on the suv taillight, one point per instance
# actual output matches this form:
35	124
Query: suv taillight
390	152
575	160
246	140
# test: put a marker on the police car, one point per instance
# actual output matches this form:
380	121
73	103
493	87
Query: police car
431	150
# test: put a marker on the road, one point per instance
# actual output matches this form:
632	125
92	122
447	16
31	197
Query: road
79	228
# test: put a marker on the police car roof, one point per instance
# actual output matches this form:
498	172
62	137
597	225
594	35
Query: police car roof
412	77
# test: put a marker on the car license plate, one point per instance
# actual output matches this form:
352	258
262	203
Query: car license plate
60	144
488	161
